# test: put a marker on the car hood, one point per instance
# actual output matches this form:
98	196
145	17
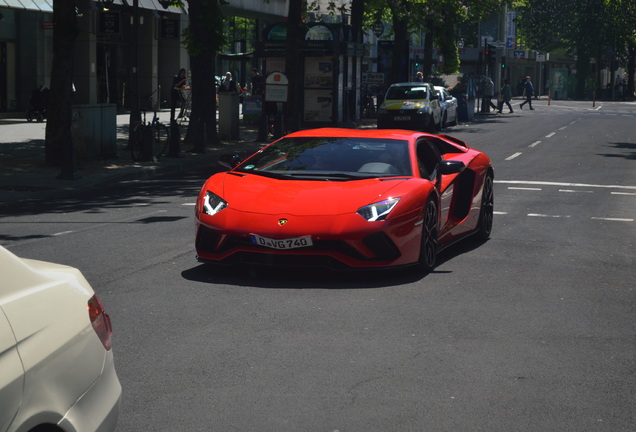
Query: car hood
257	194
405	104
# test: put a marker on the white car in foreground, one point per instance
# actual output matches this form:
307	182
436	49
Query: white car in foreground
56	363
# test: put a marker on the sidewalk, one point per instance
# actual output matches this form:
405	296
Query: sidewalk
24	175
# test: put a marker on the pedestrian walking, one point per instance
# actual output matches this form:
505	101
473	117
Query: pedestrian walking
419	77
489	92
176	97
528	92
258	85
505	95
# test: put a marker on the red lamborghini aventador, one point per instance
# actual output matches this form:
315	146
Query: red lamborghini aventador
346	197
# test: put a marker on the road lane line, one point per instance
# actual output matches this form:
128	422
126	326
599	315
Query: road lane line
623	193
534	144
189	204
563	184
513	156
614	219
500	213
575	191
62	233
547	215
550	135
564	127
523	188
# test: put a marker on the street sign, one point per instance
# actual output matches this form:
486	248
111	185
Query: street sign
519	54
276	87
372	78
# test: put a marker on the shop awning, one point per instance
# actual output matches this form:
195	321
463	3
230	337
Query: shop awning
47	5
35	5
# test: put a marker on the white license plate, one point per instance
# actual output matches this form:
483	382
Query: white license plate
402	118
290	243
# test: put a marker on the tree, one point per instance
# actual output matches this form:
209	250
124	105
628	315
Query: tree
296	9
600	29
203	39
58	140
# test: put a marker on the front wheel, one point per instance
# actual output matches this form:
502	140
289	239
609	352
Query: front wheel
487	209
161	139
428	248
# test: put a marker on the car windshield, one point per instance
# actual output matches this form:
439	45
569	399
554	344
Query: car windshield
331	158
406	92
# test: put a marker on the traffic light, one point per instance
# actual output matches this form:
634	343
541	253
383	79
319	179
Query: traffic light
491	53
503	62
417	61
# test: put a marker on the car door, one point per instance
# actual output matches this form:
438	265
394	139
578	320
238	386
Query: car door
12	375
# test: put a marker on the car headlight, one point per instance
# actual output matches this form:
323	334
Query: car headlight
378	211
212	203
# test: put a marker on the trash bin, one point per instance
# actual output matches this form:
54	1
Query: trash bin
94	131
229	115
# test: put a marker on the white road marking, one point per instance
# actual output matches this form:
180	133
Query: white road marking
614	219
563	184
564	127
575	191
513	156
534	144
189	204
524	188
623	193
500	213
62	233
550	135
547	215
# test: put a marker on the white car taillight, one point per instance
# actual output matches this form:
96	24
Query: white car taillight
100	321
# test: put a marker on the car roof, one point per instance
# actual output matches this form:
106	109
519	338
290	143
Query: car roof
411	84
359	133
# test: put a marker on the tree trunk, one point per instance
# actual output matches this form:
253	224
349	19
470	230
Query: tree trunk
59	112
202	127
400	69
293	106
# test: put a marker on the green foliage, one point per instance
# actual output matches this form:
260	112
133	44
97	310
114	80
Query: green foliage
205	32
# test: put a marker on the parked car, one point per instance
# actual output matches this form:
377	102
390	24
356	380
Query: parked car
413	106
346	198
56	361
449	107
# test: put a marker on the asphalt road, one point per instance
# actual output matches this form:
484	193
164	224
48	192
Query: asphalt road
533	330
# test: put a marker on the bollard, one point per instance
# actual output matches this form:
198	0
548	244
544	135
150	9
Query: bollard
147	141
175	140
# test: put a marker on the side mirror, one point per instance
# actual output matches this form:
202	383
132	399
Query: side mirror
230	161
447	168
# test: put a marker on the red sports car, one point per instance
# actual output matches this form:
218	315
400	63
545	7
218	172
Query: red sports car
348	198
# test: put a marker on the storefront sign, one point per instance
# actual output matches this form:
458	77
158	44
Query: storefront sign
372	78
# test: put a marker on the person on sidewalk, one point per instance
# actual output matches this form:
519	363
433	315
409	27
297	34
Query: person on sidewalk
489	92
178	82
528	92
228	84
505	93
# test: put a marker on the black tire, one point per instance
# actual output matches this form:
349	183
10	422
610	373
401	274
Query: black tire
161	140
136	143
428	244
486	212
430	126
